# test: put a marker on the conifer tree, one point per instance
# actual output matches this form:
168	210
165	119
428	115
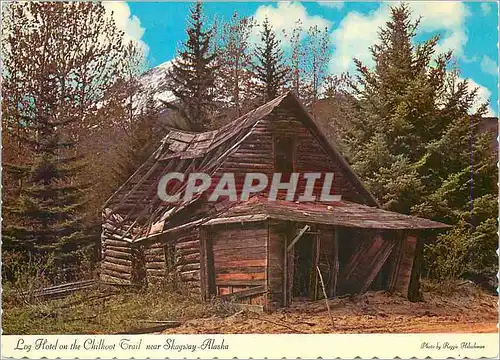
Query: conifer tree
193	72
47	216
412	140
59	60
269	65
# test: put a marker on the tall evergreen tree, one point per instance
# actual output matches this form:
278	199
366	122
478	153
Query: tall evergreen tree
47	216
59	61
415	142
193	73
270	71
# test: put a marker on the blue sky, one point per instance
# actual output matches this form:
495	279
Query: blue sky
469	29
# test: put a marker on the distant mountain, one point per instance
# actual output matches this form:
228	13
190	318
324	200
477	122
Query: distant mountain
155	82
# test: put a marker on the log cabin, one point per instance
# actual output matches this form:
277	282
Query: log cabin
259	252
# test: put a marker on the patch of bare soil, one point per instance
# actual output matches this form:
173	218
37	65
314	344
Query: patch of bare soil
374	312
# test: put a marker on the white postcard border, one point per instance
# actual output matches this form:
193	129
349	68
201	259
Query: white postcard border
257	346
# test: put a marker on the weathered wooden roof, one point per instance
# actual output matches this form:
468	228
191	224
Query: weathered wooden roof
143	212
185	145
341	213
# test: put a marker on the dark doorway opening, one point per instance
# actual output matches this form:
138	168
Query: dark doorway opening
303	264
284	155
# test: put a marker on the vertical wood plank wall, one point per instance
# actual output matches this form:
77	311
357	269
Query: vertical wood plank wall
239	258
402	262
276	254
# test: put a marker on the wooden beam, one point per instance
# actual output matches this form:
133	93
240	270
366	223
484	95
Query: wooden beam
248	307
414	285
299	235
290	274
377	263
285	275
332	291
257	290
240	282
315	279
403	275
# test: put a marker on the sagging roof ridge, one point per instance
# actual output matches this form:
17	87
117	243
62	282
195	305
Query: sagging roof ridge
242	125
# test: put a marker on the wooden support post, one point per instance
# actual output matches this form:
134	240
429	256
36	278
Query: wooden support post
204	273
299	235
414	293
405	269
315	279
285	275
332	291
324	294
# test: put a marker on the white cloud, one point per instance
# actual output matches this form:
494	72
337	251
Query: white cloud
353	37
126	22
332	4
483	94
489	66
283	17
446	17
485	8
357	31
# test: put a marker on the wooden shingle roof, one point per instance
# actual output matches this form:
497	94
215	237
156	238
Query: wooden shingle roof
143	214
342	213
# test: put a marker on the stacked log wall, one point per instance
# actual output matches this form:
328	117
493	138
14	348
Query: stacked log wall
184	271
256	154
155	263
187	259
117	260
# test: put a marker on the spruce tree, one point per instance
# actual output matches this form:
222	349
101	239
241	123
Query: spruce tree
47	216
270	71
59	60
414	140
193	73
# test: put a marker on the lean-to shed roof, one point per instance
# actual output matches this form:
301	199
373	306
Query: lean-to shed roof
342	213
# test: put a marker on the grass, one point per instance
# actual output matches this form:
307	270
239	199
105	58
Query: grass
86	313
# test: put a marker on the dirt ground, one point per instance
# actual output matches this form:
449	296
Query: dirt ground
466	310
